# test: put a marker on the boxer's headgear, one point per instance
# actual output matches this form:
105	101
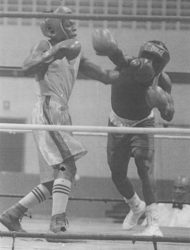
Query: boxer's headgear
54	27
157	52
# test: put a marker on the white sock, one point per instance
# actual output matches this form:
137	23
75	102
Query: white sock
134	202
36	196
60	195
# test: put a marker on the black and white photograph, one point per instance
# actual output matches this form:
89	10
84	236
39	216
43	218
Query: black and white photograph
94	124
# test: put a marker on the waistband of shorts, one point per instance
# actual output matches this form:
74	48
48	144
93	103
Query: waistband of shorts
122	122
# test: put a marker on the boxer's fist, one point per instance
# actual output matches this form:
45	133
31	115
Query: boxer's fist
69	48
156	97
167	113
103	42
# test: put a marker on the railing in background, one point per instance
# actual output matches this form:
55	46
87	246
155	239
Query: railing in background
168	8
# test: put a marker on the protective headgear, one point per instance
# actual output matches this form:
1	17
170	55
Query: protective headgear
180	188
157	52
54	27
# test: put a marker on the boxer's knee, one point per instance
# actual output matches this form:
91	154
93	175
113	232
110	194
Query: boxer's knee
66	170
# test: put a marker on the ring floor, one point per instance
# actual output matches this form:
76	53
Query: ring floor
91	225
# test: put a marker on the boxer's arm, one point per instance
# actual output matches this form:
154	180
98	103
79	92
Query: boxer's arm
119	59
95	72
104	44
159	96
38	57
42	54
165	82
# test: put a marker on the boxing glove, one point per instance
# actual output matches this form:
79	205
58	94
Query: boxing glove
103	42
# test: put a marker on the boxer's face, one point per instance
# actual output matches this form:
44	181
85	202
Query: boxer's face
69	26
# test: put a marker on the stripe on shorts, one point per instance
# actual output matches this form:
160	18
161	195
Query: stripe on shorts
55	135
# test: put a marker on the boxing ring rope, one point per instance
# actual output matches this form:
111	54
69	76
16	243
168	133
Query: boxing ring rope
96	129
90	199
98	236
138	18
172	137
71	198
89	236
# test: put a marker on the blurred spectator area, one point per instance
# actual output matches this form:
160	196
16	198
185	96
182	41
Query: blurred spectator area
104	7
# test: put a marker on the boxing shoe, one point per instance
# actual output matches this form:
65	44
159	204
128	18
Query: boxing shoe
59	223
11	218
152	228
132	218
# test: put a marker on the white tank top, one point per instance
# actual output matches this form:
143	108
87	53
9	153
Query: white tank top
60	79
